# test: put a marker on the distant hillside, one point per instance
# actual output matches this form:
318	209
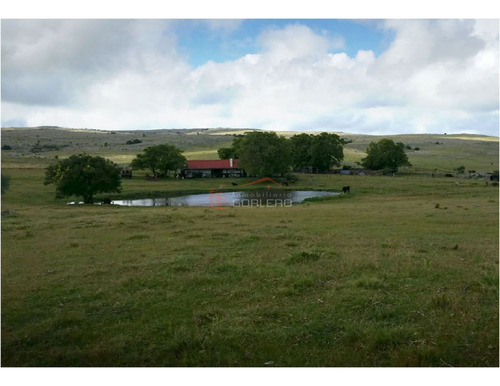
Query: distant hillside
426	151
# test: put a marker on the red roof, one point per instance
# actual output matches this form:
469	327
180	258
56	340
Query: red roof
213	164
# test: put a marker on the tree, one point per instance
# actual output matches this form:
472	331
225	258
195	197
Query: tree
302	150
5	183
321	151
226	153
230	152
327	151
160	160
385	154
263	153
84	175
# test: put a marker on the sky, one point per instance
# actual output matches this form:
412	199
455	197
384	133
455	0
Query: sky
366	76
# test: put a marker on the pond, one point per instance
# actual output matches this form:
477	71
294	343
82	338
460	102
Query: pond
254	198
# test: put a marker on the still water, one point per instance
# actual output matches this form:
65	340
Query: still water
247	198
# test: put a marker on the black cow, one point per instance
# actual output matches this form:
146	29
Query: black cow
346	189
234	183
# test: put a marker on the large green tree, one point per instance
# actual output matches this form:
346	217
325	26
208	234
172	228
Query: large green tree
160	160
301	150
321	152
385	154
327	151
264	153
84	175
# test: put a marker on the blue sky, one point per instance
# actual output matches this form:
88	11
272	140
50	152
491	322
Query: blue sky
380	76
202	43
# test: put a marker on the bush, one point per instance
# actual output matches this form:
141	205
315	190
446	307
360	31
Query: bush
133	141
5	183
6	147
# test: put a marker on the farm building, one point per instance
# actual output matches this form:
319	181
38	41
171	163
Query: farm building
213	168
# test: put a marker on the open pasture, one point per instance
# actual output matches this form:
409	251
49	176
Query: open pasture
401	272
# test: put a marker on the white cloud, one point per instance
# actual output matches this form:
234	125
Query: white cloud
293	42
436	76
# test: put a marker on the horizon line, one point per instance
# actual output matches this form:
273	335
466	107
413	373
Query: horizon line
243	128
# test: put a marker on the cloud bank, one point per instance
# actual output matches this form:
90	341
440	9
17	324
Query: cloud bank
435	76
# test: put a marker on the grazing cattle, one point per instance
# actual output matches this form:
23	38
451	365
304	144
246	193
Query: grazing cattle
234	183
346	189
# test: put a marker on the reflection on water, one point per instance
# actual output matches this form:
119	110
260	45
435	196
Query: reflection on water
247	198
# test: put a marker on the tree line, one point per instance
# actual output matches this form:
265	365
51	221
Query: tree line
260	153
267	154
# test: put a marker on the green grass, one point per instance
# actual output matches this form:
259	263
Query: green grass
401	272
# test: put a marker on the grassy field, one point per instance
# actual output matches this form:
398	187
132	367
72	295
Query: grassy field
401	272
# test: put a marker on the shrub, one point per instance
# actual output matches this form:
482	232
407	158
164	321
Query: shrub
5	183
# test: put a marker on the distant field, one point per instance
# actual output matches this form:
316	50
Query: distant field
112	144
401	272
442	152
